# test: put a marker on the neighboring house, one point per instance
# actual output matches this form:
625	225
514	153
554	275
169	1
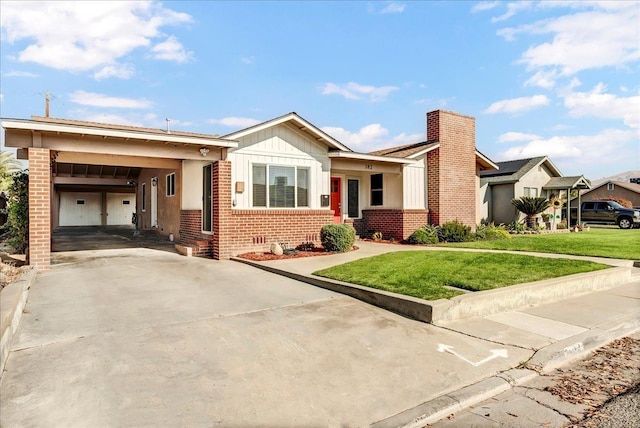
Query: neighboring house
534	177
278	181
610	190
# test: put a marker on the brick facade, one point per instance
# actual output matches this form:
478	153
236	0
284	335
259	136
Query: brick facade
191	233
454	195
393	223
39	208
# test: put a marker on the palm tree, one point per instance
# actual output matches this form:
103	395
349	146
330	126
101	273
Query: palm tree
8	164
530	207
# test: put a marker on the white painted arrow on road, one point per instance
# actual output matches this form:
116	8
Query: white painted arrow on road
495	353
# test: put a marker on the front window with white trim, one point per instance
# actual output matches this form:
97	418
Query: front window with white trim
610	186
278	186
171	184
531	192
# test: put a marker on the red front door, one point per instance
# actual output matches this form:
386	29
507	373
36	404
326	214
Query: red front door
335	200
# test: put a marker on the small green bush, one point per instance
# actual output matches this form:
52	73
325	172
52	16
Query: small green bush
516	226
491	232
18	212
454	231
427	234
337	237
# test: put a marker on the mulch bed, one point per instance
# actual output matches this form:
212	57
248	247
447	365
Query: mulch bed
266	256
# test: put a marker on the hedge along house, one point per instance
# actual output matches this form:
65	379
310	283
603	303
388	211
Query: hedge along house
278	181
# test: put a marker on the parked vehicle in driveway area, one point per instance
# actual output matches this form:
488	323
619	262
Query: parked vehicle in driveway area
607	212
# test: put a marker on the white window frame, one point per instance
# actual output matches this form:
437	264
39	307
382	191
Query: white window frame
371	190
170	184
611	186
527	192
295	186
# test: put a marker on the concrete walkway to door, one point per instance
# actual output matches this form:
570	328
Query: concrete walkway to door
139	337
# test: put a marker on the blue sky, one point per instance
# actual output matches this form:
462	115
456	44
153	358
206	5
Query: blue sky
541	78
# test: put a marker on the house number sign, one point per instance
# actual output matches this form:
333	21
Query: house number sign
368	166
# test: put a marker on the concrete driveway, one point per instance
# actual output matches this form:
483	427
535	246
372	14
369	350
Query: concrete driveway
140	337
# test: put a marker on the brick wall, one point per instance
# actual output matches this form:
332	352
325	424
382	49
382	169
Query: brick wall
393	223
433	186
191	232
456	167
39	208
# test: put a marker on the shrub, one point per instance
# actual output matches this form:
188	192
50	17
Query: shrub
491	232
337	237
306	246
530	207
454	231
516	226
427	234
622	201
18	212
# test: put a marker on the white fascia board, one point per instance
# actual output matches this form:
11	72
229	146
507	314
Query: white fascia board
552	166
373	158
422	152
309	127
115	133
487	160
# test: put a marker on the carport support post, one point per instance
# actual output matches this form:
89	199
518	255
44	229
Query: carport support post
39	208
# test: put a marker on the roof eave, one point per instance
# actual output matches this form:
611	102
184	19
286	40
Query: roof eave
29	125
368	157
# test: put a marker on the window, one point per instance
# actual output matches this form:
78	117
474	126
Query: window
353	198
531	192
126	202
144	197
611	186
207	200
376	189
277	186
171	184
79	201
588	206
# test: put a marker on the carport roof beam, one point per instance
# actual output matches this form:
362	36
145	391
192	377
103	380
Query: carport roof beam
144	134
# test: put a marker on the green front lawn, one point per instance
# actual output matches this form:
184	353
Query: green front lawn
613	243
425	274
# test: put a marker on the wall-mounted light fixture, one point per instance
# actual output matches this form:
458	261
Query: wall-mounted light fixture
204	151
154	181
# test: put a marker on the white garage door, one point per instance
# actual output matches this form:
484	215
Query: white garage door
120	208
80	209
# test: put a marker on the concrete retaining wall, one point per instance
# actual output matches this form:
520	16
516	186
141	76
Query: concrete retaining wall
13	299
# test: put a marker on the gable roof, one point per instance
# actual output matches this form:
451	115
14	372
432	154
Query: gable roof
296	120
562	183
414	150
629	186
513	170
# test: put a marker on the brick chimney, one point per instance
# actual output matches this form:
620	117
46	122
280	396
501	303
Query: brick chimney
451	186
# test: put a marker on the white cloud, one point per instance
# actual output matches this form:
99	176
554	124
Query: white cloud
605	147
371	137
511	137
598	103
100	100
512	9
16	73
235	122
248	60
516	105
171	50
394	8
122	71
484	5
543	79
354	91
606	36
82	36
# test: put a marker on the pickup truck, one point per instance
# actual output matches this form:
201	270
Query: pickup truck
607	212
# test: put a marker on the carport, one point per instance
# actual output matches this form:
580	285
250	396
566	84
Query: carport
86	173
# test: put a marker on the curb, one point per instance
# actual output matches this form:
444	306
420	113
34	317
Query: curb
14	298
544	360
477	304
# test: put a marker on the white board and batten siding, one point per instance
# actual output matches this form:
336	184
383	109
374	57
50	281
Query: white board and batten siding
280	145
414	183
80	209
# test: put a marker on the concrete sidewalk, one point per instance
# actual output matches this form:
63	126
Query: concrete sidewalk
557	332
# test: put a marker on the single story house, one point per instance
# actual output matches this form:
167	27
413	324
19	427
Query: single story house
612	189
278	181
534	177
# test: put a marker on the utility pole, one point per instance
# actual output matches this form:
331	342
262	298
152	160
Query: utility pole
46	104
